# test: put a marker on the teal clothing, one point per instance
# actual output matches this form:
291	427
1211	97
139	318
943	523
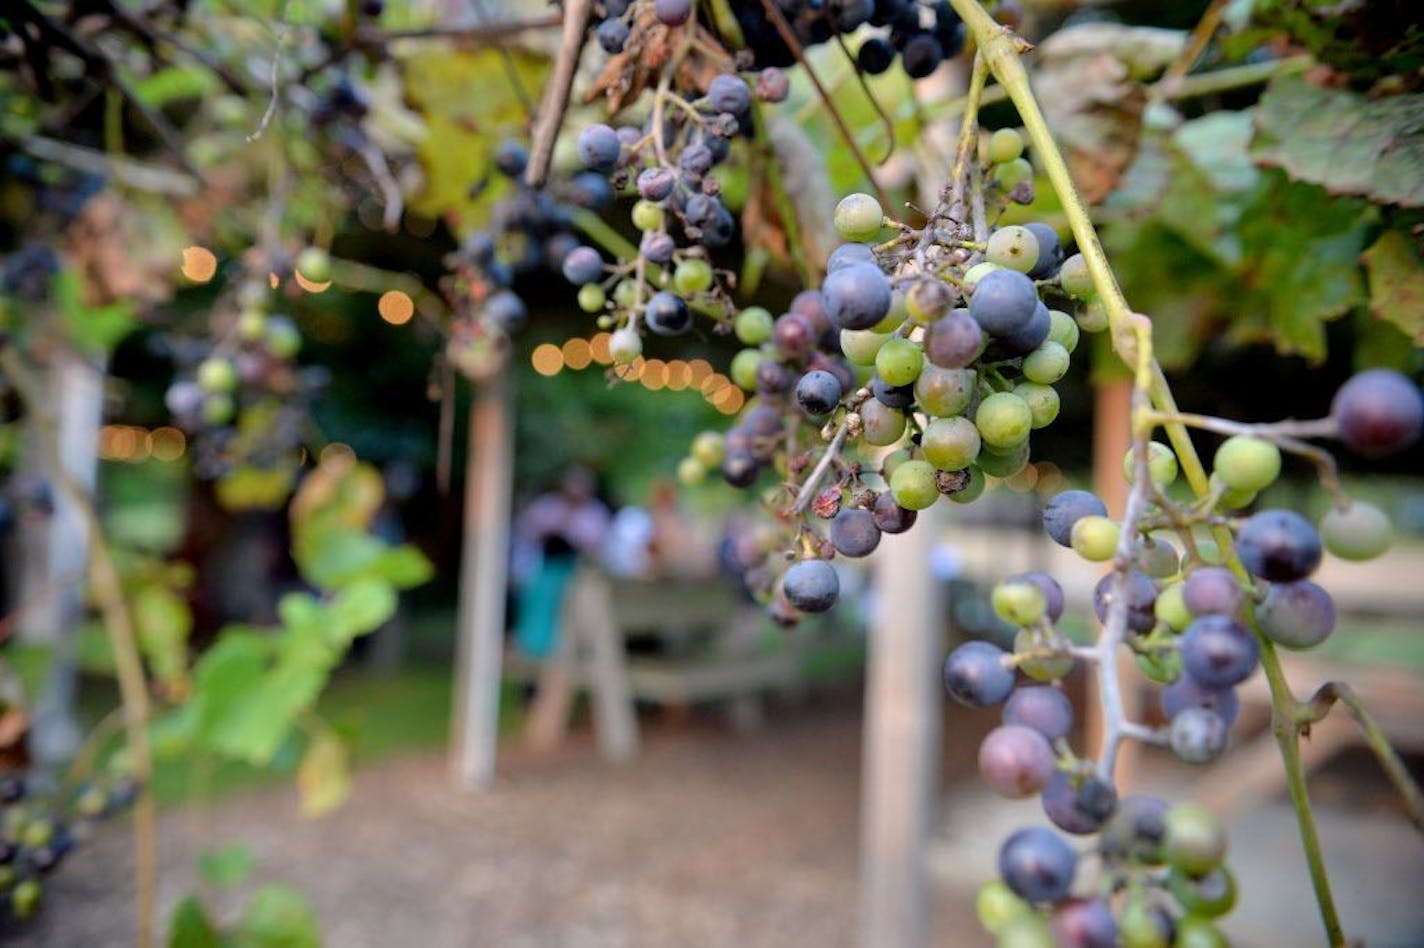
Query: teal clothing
541	600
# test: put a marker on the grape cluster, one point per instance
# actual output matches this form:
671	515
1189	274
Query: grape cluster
920	35
37	832
1192	624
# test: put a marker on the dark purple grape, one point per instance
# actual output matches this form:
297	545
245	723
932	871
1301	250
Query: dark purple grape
1038	864
892	396
875	56
695	161
1084	923
1218	652
1067	508
479	247
1030	335
1212	591
774	378
1198	736
1279	545
854	533
1379	412
954	341
810	305
1015	761
657	247
1078	805
847	15
773	85
612	34
840	368
889	516
739	468
856	296
1185	693
506	311
599	148
811	585
1141	599
727	93
511	157
591	190
12	789
1135	830
655	184
667	314
846	254
582	265
1004	302
975	674
672	12
1042	707
793	336
1052	591
1296	615
818	392
921	55
1050	252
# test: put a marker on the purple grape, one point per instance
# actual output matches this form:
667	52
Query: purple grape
1296	615
667	314
1141	599
1038	864
1050	252
506	311
811	585
1066	509
1084	923
1015	761
818	392
591	190
1185	693
774	378
975	674
1379	412
1218	652
1135	830
511	157
612	34
655	184
921	55
810	305
582	265
1212	591
892	396
793	336
1279	545
854	533
657	247
1078	805
846	254
838	367
847	15
875	56
1052	591
856	296
1198	736
1042	707
599	148
695	161
1004	302
739	468
889	516
728	93
672	12
773	85
1031	334
954	341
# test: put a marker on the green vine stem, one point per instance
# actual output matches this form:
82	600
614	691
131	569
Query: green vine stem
118	623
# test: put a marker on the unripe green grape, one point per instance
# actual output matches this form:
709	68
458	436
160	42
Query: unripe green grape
1005	145
1013	247
1208	553
25	898
1195	840
1046	364
625	345
973	490
1021	603
1158	558
1047	668
752	325
1171	607
1026	931
928	300
690	472
709	448
1003	463
1137	924
1094	317
1075	279
1011	174
251	324
37	833
913	485
744	368
281	338
1094	538
861	345
895	317
625	294
950	444
591	298
606	321
647	215
893	460
899	361
1210	895
692	276
997	905
1247	464
1003	419
1194	931
1233	499
881	424
1161	464
1162	667
216	375
314	263
218	408
979	271
1042	401
859	217
944	392
1063	329
1360	531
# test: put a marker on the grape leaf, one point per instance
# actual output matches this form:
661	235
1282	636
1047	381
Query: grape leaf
191	927
1396	277
225	867
278	917
1343	141
324	776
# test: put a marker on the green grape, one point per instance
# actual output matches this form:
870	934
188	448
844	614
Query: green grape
1211	894
251	324
219	408
1195	840
950	444
881	424
1161	667
625	294
744	368
37	833
944	392
1094	317
1047	668
1046	364
1013	247
690	472
1208	553
1011	174
1003	463
1247	464
927	300
647	215
1003	419
913	485
1021	603
899	361
314	264
896	316
1042	401
1073	276
709	448
973	490
1161	464
1193	931
1026	931
1005	145
1094	538
1062	329
893	460
861	345
997	905
217	375
25	898
606	321
1360	531
591	298
1137	924
979	271
859	217
625	345
692	276
1158	558
1233	499
1171	608
752	325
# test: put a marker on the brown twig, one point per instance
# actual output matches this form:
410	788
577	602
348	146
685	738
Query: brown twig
577	14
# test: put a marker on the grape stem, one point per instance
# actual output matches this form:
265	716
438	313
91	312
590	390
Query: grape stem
813	480
577	14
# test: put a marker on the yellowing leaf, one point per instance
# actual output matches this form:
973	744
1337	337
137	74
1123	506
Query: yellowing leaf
324	777
1396	277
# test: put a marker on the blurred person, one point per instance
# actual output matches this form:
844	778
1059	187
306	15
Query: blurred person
550	536
677	543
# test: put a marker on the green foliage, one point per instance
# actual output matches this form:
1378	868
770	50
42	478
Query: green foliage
225	867
276	917
1360	39
1396	277
91	328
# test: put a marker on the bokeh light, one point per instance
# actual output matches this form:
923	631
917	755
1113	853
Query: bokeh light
547	359
395	307
199	264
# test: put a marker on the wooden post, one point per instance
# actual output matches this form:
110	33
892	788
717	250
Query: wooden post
483	572
900	745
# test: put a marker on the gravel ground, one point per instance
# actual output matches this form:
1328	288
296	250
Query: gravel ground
708	839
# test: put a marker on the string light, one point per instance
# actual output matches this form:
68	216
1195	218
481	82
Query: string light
395	307
199	264
598	345
678	375
547	359
577	353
